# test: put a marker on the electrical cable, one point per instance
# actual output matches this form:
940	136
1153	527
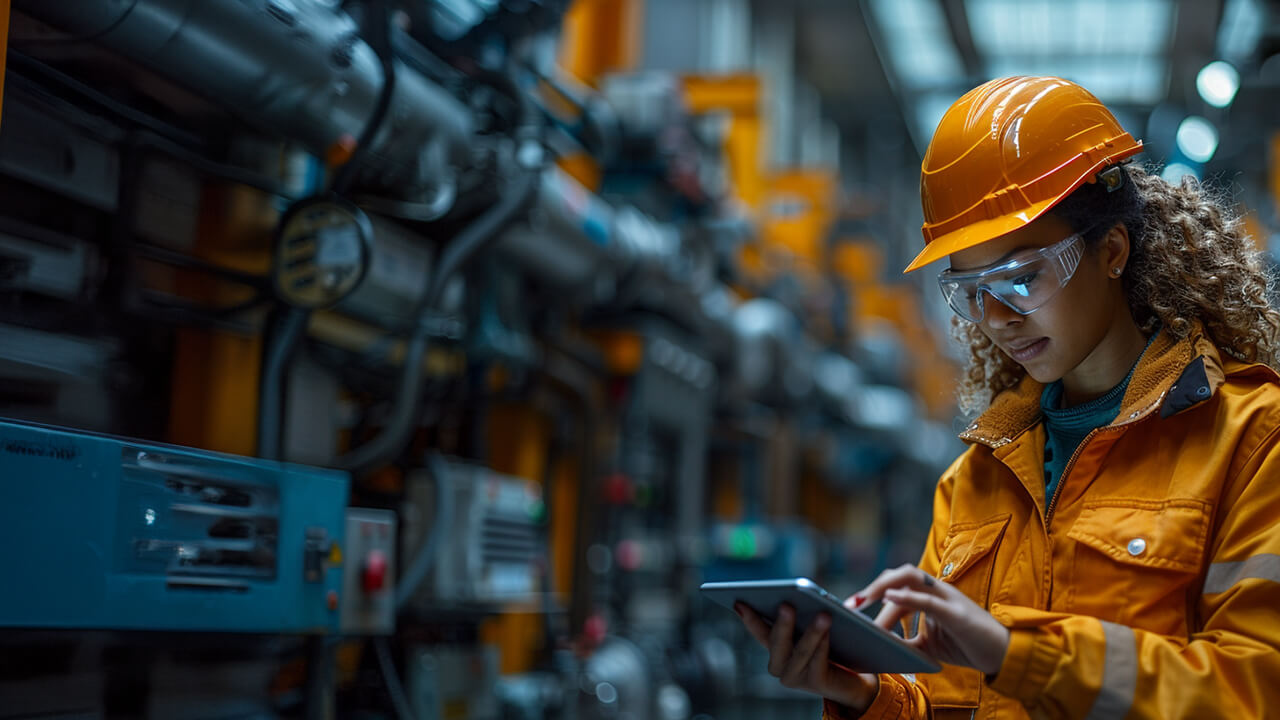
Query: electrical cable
284	339
420	566
469	242
164	301
77	39
473	239
150	137
530	115
29	64
377	35
189	262
287	329
416	56
398	698
230	173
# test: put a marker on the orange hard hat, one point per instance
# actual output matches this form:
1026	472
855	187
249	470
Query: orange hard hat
1006	152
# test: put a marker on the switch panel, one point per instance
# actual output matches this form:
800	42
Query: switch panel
368	561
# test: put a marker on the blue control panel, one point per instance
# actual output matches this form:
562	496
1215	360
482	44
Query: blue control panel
104	532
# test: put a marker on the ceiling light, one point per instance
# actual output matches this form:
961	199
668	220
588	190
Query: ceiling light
1218	83
1197	139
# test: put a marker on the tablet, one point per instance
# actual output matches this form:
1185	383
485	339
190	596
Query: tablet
857	642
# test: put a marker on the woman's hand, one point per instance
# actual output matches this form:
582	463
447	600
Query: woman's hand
803	664
955	631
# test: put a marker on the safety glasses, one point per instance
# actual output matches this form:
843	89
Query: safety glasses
1023	283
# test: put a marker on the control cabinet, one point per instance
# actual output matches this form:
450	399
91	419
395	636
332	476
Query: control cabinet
110	533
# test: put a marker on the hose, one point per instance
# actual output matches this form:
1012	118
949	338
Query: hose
472	240
377	34
466	245
286	331
420	566
398	698
289	330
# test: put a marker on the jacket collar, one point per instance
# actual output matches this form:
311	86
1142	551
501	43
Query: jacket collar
1176	373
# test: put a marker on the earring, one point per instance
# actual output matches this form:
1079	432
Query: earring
1116	271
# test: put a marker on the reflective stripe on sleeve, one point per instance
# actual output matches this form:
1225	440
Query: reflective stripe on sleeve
1119	674
1224	575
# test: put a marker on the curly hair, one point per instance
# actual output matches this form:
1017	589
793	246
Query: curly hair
1189	260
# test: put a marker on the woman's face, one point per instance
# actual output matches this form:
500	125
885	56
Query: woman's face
1060	336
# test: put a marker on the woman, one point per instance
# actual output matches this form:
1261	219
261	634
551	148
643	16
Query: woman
1107	547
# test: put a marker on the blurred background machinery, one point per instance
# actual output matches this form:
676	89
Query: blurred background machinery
419	358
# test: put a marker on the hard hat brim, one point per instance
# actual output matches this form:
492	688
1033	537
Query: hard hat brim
978	233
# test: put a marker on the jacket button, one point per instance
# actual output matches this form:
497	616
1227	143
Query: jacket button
946	569
1137	546
1202	391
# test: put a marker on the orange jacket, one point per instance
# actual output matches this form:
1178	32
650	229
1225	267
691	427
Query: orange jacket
1150	587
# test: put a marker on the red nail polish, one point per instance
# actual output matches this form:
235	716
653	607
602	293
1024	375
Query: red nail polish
858	600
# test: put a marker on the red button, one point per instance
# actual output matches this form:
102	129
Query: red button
374	577
331	599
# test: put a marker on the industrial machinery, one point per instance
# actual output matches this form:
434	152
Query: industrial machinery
138	536
126	535
449	364
484	533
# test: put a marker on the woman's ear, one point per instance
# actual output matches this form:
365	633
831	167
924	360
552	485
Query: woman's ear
1115	249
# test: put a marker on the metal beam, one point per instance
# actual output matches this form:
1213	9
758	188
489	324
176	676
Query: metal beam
958	22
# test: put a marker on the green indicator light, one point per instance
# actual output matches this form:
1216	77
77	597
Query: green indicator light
742	543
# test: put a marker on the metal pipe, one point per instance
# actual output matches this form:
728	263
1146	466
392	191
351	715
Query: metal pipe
565	240
295	67
573	237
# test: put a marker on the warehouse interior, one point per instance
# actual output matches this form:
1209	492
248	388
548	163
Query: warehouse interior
421	358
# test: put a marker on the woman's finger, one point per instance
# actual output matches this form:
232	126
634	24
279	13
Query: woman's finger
919	641
802	655
754	623
905	576
781	641
890	615
916	601
887	579
821	656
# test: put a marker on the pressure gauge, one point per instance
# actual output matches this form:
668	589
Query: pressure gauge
322	251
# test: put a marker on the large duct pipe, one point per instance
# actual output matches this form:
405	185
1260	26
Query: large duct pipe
573	238
565	240
294	67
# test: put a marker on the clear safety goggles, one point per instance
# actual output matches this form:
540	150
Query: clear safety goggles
1022	283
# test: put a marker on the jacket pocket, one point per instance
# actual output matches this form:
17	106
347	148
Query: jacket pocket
1135	558
967	562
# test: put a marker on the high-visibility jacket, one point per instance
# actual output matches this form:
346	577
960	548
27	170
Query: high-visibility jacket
1149	587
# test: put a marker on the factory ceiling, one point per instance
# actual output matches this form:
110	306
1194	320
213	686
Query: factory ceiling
917	56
